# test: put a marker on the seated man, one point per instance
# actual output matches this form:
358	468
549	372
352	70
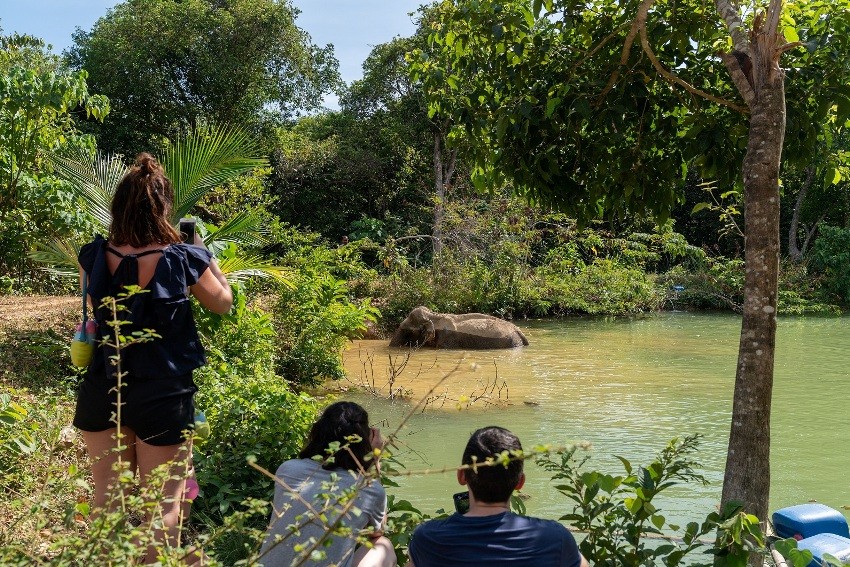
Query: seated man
490	534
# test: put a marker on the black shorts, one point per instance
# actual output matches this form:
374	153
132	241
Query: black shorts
159	410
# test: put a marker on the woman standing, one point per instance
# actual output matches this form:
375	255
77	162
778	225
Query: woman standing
324	498
156	410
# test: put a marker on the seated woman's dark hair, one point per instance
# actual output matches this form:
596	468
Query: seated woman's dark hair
493	483
141	206
339	422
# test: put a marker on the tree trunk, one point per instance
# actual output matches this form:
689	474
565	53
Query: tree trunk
747	476
794	251
444	170
440	190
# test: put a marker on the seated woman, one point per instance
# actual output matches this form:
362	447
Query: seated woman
316	493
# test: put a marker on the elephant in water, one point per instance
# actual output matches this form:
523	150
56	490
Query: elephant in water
424	327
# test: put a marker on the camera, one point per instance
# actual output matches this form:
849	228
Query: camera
187	230
461	500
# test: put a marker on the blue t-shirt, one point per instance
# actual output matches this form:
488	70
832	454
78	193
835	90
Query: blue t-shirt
164	307
501	539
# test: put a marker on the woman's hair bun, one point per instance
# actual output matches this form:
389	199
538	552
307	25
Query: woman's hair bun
147	164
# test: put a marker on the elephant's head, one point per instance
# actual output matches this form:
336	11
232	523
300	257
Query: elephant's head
416	330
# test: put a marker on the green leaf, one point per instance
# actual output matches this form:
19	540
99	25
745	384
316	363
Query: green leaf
790	34
551	105
626	464
658	521
833	176
700	206
538	4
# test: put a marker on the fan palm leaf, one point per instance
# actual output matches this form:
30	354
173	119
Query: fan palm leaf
240	268
243	228
206	159
58	256
94	179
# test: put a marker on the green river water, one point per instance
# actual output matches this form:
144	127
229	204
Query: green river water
627	386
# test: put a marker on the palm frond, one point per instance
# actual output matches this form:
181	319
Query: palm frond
240	268
245	228
93	178
57	257
208	157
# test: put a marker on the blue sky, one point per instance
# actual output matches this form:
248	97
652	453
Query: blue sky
352	26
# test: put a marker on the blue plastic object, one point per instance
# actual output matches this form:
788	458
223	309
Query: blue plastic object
820	544
807	520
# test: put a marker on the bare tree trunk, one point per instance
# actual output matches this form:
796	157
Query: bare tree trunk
444	170
747	476
810	232
440	190
794	251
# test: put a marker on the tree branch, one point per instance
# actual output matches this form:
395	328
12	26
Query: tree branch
811	233
450	167
739	77
728	10
644	40
774	11
638	24
596	49
790	46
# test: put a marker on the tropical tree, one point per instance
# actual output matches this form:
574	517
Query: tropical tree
38	98
196	164
565	107
821	190
167	65
390	89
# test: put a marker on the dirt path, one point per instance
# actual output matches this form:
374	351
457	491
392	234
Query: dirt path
37	311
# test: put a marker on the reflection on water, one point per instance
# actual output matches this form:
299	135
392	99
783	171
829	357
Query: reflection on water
627	386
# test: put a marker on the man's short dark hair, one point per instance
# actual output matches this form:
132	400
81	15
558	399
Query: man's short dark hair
493	483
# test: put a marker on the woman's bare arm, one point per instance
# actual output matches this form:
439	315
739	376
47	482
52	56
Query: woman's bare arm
212	289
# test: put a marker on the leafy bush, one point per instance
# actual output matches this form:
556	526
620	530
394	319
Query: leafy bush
251	411
831	259
241	342
315	320
248	415
717	283
617	512
603	286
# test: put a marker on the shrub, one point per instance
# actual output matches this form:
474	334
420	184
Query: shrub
251	410
248	415
314	321
717	283
617	512
603	286
831	259
241	342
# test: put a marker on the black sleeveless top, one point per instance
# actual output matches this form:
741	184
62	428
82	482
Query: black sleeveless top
164	307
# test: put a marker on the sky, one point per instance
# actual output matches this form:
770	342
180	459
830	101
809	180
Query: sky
352	26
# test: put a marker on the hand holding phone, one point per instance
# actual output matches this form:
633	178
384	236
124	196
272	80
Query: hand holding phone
187	230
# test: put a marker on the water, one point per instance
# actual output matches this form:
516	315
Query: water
627	386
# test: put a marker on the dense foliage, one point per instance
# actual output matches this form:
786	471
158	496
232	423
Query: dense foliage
168	65
38	97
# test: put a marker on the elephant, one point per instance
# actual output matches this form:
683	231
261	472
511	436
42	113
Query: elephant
424	327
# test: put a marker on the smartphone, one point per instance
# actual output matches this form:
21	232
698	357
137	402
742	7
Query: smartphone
461	500
187	230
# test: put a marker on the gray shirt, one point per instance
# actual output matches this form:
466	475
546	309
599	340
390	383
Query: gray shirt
327	492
